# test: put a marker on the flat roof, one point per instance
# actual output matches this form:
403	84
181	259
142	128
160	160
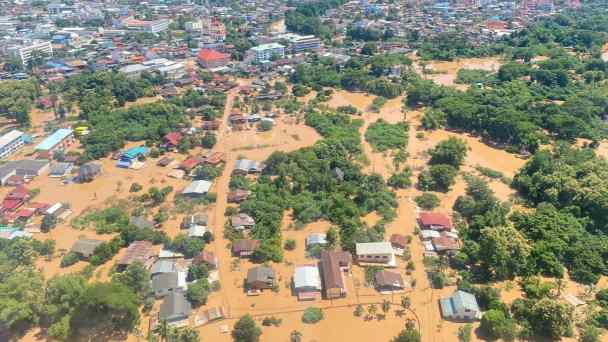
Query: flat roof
10	137
54	139
374	248
267	47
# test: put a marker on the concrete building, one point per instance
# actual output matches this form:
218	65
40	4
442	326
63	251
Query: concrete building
24	52
264	52
157	26
299	44
376	253
59	140
10	143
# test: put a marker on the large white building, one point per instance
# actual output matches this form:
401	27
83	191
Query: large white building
299	44
24	52
264	52
376	253
157	26
10	143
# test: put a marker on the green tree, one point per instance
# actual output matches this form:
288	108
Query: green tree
408	334
465	333
107	306
427	201
496	325
503	251
136	277
198	292
438	177
21	297
452	151
246	330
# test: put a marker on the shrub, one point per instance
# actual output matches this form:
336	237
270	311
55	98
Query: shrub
401	180
271	321
312	315
135	187
69	259
385	136
209	140
290	244
427	201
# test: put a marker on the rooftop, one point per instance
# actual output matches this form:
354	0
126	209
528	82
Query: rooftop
54	139
9	137
374	248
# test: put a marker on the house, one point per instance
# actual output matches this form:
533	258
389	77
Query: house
460	306
138	251
165	265
11	142
140	222
15	199
165	283
164	161
387	281
132	155
316	239
175	309
238	195
307	282
242	221
59	140
260	278
446	244
211	125
246	166
59	170
434	221
85	247
376	253
29	168
244	247
56	209
333	266
6	173
210	59
399	243
197	188
200	219
88	172
207	258
215	158
172	140
190	164
11	233
427	234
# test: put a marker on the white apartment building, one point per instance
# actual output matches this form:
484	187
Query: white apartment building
157	26
264	52
24	52
10	143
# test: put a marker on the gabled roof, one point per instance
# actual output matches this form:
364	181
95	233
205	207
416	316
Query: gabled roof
389	279
138	251
307	276
208	55
197	187
458	302
398	240
242	219
260	273
173	138
435	219
86	247
175	306
54	139
330	267
245	245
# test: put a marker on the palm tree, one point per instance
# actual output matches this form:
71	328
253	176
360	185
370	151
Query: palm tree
295	336
163	329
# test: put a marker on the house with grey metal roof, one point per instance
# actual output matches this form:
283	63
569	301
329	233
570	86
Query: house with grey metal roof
242	221
59	170
85	247
164	283
460	306
246	166
175	309
164	266
307	282
197	188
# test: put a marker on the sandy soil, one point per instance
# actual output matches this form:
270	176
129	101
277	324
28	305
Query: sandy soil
445	73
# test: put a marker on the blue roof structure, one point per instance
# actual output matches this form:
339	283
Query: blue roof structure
135	152
458	303
54	139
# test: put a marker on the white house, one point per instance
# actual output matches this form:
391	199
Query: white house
376	253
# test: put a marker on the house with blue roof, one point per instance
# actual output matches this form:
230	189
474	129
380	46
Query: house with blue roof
133	154
460	306
59	140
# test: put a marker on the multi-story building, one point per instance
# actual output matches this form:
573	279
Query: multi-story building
24	52
299	44
10	143
214	29
265	52
157	26
192	26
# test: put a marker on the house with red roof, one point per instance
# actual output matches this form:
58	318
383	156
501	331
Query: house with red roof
209	58
190	164
434	221
172	139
